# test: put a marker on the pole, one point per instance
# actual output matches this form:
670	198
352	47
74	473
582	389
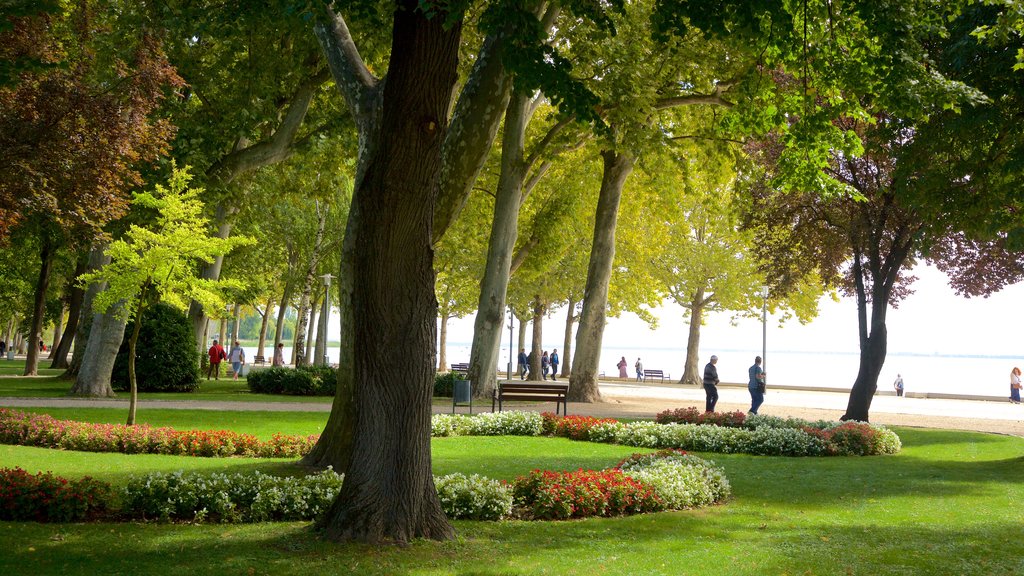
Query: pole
325	311
764	328
511	348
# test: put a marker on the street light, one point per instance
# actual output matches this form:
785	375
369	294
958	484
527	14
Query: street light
511	349
764	327
321	335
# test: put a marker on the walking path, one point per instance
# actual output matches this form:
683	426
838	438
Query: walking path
623	400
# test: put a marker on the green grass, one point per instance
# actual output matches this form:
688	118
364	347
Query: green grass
950	503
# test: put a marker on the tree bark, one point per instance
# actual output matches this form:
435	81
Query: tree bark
46	254
133	383
211	271
570	321
260	348
583	382
388	494
282	311
299	352
490	316
76	297
99	354
442	343
97	260
691	368
537	337
314	311
58	326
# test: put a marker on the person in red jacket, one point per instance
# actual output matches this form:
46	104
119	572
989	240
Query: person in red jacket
216	355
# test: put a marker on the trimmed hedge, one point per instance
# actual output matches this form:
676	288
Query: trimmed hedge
166	358
302	381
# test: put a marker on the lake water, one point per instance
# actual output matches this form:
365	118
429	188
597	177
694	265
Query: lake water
982	375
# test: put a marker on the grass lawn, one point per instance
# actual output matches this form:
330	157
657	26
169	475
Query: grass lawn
950	503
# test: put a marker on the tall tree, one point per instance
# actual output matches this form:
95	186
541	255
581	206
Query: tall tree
158	264
74	134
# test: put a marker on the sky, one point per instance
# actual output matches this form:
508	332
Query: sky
933	320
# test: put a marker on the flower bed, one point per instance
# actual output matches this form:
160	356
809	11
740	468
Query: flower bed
28	429
735	433
48	498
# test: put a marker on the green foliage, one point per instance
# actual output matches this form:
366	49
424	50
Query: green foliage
48	498
166	359
473	497
302	381
444	384
255	497
160	263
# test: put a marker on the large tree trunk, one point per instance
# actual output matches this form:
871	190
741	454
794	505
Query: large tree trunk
314	309
99	354
873	342
58	326
442	343
388	493
536	346
211	271
691	367
570	321
260	348
97	260
299	353
76	298
490	316
583	382
46	255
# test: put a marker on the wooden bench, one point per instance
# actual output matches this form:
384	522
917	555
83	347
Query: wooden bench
654	374
543	391
461	368
259	360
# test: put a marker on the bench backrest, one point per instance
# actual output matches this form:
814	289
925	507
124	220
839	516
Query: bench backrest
654	372
460	368
552	388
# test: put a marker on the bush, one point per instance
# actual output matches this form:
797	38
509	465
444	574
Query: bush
473	497
48	498
679	479
302	381
254	497
42	430
545	495
166	358
692	415
575	427
514	423
444	384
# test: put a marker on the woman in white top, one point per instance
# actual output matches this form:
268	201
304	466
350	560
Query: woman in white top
1015	385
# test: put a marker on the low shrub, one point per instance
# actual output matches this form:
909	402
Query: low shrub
546	495
473	497
47	498
574	427
254	497
444	384
42	430
691	415
302	381
514	423
679	479
166	358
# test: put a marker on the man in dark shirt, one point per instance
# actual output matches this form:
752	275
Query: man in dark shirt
711	384
524	364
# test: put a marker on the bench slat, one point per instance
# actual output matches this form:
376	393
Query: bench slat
531	391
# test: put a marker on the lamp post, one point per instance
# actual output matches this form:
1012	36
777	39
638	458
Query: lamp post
321	333
511	348
764	327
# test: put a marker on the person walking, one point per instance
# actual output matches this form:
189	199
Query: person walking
216	353
755	385
237	357
278	355
545	364
898	385
711	384
1015	385
622	368
524	363
554	364
639	370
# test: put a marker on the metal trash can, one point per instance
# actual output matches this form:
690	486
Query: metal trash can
462	393
10	354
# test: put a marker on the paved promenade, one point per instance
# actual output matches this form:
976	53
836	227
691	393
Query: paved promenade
627	400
